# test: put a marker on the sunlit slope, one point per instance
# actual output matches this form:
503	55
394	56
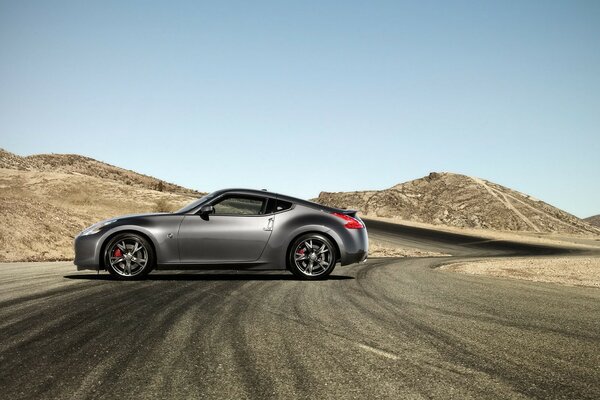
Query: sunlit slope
460	201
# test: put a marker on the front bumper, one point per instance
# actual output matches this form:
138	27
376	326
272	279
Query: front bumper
87	252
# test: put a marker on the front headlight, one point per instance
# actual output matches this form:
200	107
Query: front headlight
96	227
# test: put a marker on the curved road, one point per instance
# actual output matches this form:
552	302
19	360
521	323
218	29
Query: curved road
388	328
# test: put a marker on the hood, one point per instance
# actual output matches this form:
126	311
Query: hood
95	228
128	216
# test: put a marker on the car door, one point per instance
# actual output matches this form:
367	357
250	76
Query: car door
238	231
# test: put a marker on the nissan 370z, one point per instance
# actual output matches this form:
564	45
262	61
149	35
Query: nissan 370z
233	228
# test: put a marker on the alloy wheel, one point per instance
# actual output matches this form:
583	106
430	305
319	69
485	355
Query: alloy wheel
313	257
128	257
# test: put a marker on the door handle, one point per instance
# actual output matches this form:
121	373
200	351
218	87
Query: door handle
269	226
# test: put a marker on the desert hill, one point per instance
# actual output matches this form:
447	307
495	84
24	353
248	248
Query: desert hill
45	200
460	201
76	164
595	220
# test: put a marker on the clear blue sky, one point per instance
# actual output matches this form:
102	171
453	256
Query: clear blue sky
299	97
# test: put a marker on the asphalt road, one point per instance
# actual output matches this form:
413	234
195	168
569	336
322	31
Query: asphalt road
383	329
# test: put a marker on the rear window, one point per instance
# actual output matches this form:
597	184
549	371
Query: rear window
277	206
282	205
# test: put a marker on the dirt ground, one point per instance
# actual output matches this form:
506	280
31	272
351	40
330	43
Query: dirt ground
574	271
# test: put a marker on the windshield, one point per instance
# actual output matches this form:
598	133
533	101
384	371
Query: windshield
195	203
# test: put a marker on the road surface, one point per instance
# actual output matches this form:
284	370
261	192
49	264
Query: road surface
388	328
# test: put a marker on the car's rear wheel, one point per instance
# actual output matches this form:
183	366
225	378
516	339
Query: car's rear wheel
129	256
312	256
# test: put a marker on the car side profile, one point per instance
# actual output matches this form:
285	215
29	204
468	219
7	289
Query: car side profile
230	228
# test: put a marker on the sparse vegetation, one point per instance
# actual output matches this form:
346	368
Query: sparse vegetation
163	205
79	198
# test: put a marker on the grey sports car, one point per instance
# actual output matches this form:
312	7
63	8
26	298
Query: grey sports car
232	228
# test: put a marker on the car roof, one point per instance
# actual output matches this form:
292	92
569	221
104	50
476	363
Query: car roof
266	193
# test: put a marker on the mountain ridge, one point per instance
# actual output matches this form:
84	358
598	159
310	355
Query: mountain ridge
456	200
78	164
593	220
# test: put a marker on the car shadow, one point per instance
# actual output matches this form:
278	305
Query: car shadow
206	277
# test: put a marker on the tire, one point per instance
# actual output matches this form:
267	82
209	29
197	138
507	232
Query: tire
312	256
129	256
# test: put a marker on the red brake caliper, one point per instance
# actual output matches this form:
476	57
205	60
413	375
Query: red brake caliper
117	253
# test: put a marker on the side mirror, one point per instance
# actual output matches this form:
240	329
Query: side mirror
205	211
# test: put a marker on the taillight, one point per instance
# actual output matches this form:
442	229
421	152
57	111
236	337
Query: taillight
351	223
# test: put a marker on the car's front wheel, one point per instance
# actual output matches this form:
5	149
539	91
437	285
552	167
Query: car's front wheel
312	256
129	256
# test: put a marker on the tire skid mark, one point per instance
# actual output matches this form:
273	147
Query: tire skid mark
61	321
131	367
88	338
32	308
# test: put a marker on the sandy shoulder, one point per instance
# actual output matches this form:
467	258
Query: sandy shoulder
576	271
381	249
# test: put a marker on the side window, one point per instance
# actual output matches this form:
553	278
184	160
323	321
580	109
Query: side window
240	205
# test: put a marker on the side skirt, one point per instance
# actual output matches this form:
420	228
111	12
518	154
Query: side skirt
228	266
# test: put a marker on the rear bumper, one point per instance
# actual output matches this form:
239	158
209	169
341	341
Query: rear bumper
356	246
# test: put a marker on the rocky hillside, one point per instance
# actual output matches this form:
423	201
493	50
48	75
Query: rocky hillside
460	201
74	164
45	200
595	220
